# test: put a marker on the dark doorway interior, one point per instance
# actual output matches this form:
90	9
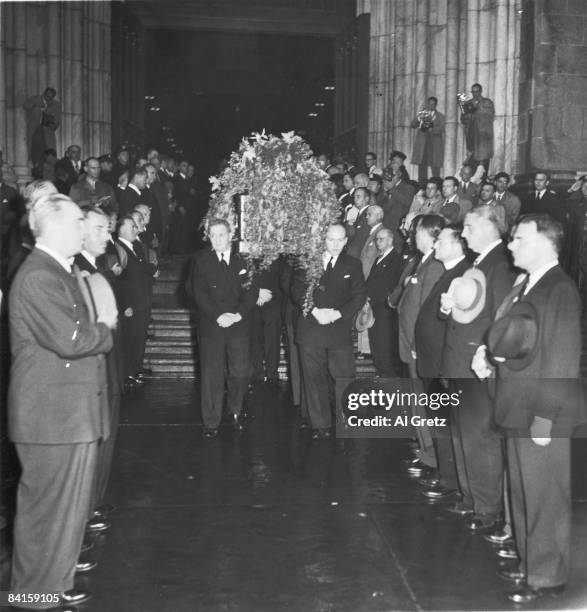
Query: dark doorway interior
213	88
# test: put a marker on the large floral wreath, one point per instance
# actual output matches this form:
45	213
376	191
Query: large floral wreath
290	202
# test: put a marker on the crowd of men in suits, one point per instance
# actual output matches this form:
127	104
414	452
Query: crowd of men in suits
426	277
469	292
79	305
465	295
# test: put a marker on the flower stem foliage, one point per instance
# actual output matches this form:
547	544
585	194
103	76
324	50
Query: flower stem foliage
290	203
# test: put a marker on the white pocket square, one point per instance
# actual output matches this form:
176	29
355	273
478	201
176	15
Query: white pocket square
243	272
347	276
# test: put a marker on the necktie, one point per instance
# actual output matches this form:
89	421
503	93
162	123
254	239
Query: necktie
537	195
329	266
223	261
511	298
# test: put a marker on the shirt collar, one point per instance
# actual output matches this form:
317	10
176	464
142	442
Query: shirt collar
376	227
453	263
62	261
226	256
326	257
535	276
89	257
134	188
127	243
427	256
486	250
385	254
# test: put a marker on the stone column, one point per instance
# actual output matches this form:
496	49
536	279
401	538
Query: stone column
553	89
421	48
17	116
3	141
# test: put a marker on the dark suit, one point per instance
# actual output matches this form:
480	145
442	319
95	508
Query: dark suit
383	335
396	206
429	341
358	233
133	290
417	288
290	317
115	378
328	348
266	326
11	212
218	289
430	328
540	475
470	192
128	199
72	175
478	445
57	414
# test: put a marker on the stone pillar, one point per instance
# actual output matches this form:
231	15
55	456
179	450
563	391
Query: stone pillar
553	89
65	45
421	48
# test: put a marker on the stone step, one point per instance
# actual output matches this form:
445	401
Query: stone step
160	331
169	349
178	315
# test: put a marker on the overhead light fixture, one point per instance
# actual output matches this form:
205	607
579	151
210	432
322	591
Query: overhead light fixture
149	97
155	109
319	104
329	88
312	114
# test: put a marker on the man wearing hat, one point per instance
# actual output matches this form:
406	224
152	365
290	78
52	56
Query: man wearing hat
537	347
471	306
449	249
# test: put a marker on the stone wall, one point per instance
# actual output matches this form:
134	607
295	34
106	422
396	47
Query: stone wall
65	45
421	48
553	87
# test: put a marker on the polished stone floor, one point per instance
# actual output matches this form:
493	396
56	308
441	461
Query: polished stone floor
269	520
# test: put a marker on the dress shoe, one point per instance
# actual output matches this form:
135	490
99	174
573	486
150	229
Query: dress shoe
209	432
461	509
105	509
85	566
430	482
305	424
410	461
438	493
508	551
97	525
512	575
321	434
500	536
481	524
529	594
237	423
86	546
417	469
131	382
144	372
75	597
